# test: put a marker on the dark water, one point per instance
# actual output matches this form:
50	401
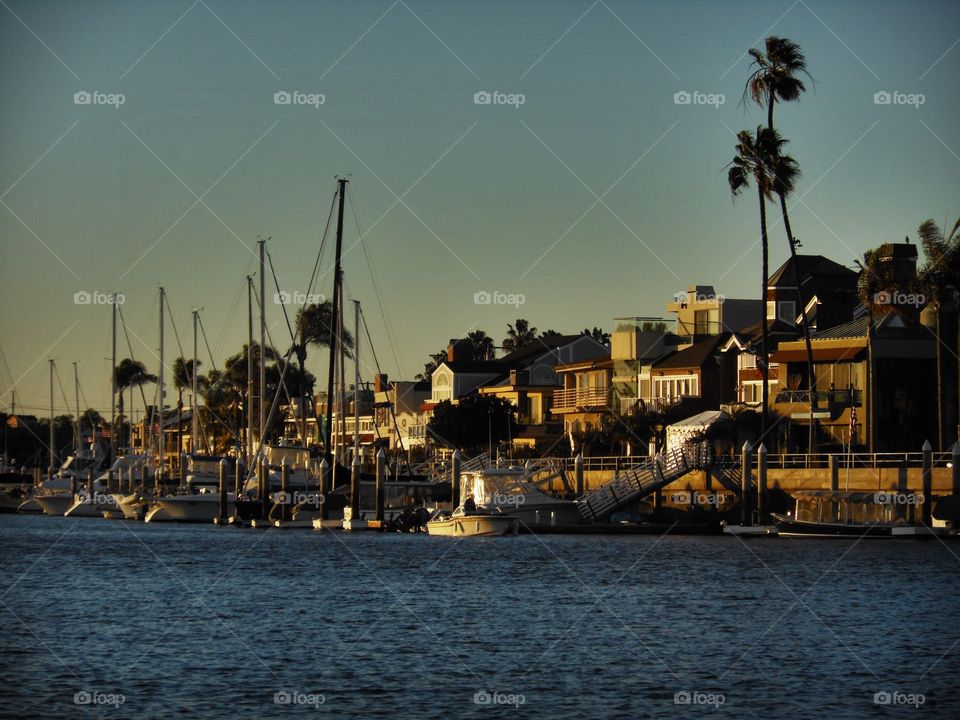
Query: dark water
213	622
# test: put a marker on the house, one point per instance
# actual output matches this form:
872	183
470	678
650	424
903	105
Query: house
745	345
700	311
699	377
587	394
398	412
827	288
876	384
635	344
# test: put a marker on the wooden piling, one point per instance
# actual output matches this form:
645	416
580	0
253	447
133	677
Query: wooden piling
324	489
381	473
455	481
762	484
578	473
240	478
355	488
955	470
833	462
927	476
183	470
223	489
264	477
746	467
144	478
285	490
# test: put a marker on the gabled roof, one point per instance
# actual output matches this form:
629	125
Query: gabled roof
601	362
493	367
808	266
888	326
694	356
777	330
535	348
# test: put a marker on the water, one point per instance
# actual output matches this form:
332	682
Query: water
223	623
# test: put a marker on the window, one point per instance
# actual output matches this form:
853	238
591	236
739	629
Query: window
786	311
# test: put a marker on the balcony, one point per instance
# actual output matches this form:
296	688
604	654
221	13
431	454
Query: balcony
595	398
825	398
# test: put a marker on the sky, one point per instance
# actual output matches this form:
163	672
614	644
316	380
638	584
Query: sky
585	190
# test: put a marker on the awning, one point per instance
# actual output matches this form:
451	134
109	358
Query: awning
849	354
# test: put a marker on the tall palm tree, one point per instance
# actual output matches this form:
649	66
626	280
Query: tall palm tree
128	375
775	78
315	326
482	344
519	335
940	280
183	371
759	159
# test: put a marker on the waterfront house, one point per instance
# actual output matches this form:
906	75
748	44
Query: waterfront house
398	411
880	366
828	290
587	394
701	312
699	377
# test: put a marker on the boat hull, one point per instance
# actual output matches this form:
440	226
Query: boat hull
474	526
789	527
187	508
54	504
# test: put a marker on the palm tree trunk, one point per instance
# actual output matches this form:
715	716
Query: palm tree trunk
811	374
765	392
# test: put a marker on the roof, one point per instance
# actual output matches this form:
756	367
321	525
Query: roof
537	347
831	354
775	328
808	265
493	367
888	326
701	420
600	362
694	356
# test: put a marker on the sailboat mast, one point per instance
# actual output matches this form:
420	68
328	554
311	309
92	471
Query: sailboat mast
193	387
356	378
50	447
250	403
113	381
263	344
78	441
160	398
334	314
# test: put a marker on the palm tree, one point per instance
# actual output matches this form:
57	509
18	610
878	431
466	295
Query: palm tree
315	326
598	334
940	280
183	371
128	375
519	335
758	158
483	347
775	78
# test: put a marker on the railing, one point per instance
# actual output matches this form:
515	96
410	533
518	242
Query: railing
598	397
855	460
824	397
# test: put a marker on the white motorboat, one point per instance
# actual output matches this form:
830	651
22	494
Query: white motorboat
54	496
200	507
92	505
510	492
472	523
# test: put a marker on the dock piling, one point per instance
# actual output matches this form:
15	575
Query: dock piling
264	485
578	473
955	469
455	481
285	490
381	472
144	478
183	470
746	466
833	462
927	476
324	488
355	488
240	479
223	489
762	484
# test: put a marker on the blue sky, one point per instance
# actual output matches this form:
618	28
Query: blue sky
493	197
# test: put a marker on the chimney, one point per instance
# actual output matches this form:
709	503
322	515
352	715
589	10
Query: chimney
380	383
459	350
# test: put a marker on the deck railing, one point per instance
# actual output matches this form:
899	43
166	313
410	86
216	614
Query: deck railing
590	397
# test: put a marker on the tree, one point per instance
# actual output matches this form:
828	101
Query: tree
518	335
315	326
429	368
128	375
183	371
759	159
775	78
599	335
477	421
483	347
940	282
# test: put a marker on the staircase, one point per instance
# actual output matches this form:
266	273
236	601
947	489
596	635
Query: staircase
729	475
635	483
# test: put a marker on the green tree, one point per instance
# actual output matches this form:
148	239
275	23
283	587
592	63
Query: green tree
128	375
483	347
473	423
518	335
598	334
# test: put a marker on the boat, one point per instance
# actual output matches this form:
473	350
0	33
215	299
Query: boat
834	513
187	507
472	523
509	491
